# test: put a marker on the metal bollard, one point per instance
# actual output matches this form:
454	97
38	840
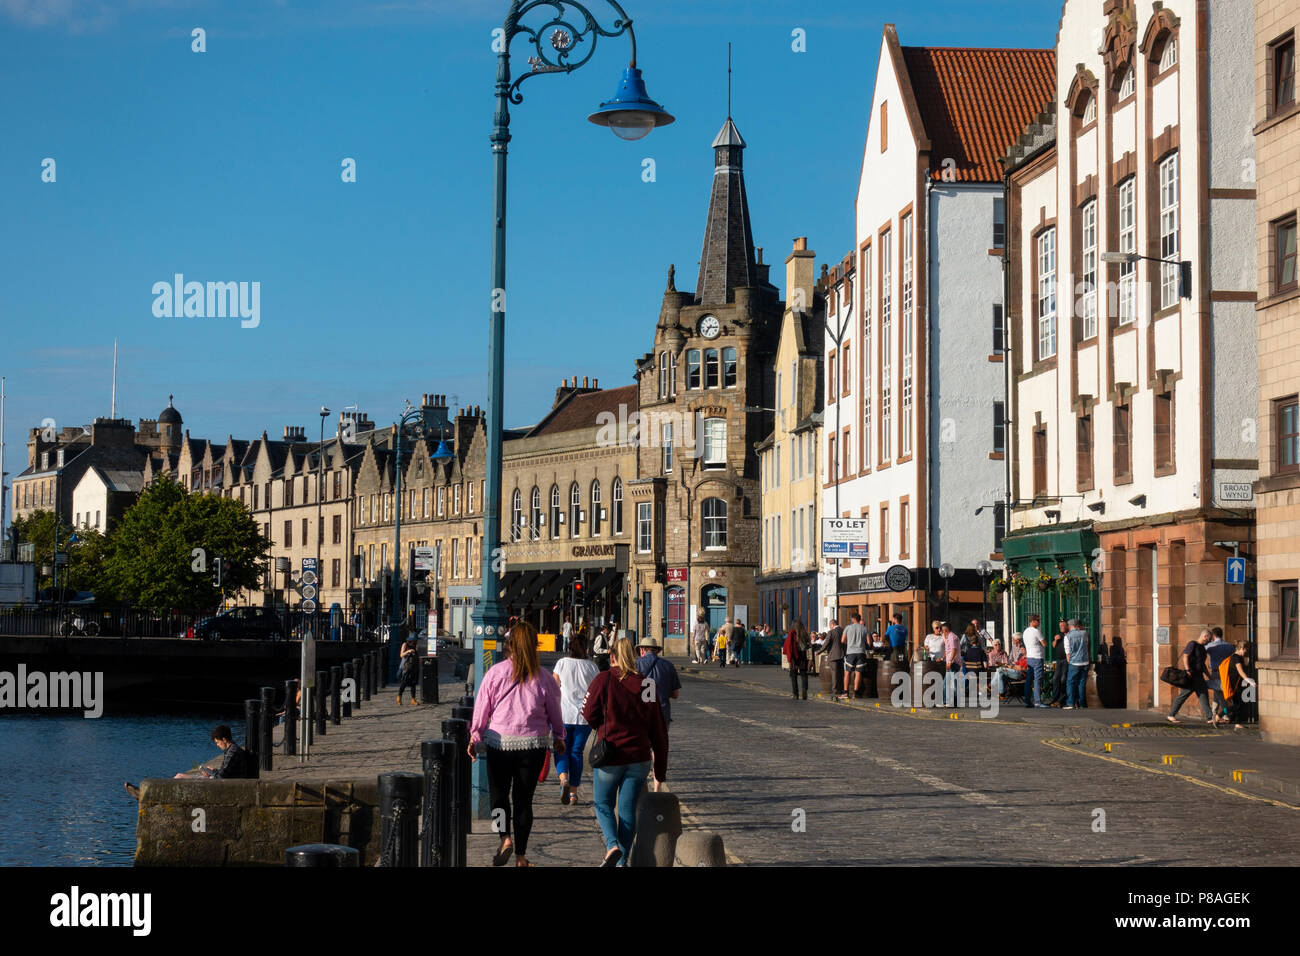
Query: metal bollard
321	855
358	673
456	730
348	681
290	717
264	749
319	707
252	726
364	693
439	757
429	680
399	809
381	675
466	701
461	712
336	678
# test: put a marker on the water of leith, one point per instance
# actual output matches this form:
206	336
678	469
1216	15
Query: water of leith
61	796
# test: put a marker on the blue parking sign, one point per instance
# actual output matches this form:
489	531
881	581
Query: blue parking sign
1236	571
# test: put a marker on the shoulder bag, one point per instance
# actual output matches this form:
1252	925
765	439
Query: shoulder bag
1175	676
599	753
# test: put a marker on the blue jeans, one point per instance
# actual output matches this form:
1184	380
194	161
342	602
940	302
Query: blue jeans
1076	684
570	762
619	784
1034	681
951	678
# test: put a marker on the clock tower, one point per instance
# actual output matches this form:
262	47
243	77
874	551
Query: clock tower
704	393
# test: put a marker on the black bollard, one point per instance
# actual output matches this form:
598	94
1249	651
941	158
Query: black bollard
363	678
429	680
290	717
371	689
321	855
399	809
466	701
264	749
461	712
457	730
358	672
319	708
252	727
380	678
336	678
348	682
439	758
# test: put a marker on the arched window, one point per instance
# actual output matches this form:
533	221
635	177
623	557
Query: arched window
595	508
516	515
575	509
663	374
714	525
1090	111
555	511
617	514
1127	84
535	519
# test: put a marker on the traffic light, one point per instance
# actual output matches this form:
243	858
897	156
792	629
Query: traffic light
218	564
576	597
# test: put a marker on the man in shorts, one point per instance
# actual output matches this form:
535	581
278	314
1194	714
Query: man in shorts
855	651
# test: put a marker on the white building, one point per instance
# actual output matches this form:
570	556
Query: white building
916	384
1133	448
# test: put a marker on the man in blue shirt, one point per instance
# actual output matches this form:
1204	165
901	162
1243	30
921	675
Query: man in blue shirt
896	634
661	671
1077	652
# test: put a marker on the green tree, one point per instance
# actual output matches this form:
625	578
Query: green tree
161	554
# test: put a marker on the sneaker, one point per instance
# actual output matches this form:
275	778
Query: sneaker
1043	706
1068	707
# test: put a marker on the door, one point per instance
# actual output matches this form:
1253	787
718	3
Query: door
1154	576
676	623
713	599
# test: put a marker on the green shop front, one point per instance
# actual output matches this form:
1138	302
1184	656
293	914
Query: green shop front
1049	572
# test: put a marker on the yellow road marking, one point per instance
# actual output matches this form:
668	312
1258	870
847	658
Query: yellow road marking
1169	773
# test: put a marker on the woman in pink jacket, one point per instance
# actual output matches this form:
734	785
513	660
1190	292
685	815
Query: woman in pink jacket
516	719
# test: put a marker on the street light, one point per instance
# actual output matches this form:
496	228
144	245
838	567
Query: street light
631	114
946	572
1131	258
320	527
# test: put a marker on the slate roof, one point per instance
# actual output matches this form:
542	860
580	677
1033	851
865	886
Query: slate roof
581	409
975	102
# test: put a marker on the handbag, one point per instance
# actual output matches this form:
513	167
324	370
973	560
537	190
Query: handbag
1175	676
599	754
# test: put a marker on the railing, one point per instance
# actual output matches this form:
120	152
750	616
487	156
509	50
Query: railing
77	620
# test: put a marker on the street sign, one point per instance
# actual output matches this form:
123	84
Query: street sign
309	571
308	591
1236	491
1236	571
845	537
309	606
424	559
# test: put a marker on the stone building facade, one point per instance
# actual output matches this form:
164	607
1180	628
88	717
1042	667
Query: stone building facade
704	390
1277	147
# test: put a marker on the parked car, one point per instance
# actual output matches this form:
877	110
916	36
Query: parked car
240	623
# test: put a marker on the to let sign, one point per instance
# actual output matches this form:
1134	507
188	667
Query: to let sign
845	537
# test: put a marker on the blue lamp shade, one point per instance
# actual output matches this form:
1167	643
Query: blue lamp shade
443	452
631	114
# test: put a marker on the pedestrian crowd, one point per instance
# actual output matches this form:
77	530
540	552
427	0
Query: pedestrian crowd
525	714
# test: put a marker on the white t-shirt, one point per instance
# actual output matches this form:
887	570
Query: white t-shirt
934	644
1033	641
576	675
566	629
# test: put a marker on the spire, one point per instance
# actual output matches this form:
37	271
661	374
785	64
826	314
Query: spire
727	261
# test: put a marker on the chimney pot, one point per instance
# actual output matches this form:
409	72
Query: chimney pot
758	252
801	244
584	382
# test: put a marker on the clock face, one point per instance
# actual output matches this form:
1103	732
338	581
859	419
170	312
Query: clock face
710	327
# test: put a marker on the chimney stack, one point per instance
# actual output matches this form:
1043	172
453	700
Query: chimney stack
584	382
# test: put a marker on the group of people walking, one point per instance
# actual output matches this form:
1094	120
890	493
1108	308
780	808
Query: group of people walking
727	646
522	710
1216	674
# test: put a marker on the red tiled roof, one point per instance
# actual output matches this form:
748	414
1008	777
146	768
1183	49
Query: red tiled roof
975	102
581	410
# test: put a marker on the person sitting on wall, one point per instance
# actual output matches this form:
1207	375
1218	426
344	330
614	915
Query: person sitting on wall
236	763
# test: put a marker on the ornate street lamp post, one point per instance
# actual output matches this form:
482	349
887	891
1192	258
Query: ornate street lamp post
564	40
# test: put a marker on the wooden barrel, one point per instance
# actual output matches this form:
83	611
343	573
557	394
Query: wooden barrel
869	678
1112	684
919	670
885	672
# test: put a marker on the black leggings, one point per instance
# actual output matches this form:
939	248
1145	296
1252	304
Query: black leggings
795	678
520	769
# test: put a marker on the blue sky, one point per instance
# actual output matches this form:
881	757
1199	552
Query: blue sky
225	166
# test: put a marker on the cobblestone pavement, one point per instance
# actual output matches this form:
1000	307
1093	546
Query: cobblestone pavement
789	782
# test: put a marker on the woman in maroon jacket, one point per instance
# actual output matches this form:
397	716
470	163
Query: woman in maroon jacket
796	653
625	707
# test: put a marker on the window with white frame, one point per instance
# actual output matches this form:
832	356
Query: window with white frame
886	347
555	511
1090	111
455	500
1088	272
812	454
663	374
535	514
595	508
1127	243
794	535
575	509
617	514
905	442
1046	282
729	367
715	444
711	368
442	503
1169	230
795	458
1169	55
812	532
516	515
776	453
714	524
455	557
1127	84
666	439
469	505
693	368
644	526
779	391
